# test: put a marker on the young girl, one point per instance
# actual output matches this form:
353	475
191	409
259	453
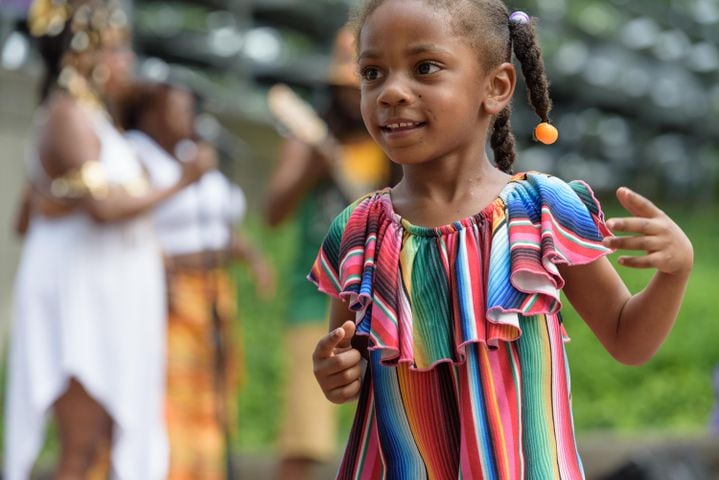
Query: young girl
453	276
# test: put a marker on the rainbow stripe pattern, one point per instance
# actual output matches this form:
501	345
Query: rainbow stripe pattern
467	375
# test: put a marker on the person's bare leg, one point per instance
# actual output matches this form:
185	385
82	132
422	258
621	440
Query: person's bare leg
101	465
296	469
82	425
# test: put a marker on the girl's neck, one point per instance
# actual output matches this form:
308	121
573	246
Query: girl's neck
445	190
447	179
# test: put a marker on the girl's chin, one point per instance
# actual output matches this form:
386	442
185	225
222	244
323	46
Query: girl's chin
406	156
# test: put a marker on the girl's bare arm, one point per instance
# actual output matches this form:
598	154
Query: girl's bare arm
632	327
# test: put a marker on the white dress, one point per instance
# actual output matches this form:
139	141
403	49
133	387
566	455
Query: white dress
198	218
89	304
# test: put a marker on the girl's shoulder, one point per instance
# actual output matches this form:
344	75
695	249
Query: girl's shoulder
540	183
534	192
528	194
358	207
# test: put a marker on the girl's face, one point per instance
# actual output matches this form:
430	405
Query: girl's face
422	85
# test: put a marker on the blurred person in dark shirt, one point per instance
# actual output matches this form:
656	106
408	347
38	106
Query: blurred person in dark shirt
313	182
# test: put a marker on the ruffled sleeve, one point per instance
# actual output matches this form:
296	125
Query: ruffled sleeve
359	263
548	222
325	270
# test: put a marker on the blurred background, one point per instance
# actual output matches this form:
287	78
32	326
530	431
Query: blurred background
635	85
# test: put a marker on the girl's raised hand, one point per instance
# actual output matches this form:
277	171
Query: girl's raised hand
337	365
667	247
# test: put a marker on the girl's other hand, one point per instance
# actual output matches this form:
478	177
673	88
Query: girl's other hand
337	365
667	247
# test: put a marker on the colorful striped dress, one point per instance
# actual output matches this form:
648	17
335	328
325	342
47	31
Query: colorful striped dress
467	375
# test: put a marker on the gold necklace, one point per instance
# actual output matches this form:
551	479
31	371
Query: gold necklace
79	88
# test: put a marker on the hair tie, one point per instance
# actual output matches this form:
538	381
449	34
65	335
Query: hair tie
546	133
519	18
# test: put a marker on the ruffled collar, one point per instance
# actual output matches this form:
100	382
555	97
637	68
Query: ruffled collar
384	196
423	293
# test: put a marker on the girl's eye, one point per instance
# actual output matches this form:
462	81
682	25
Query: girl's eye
427	68
370	73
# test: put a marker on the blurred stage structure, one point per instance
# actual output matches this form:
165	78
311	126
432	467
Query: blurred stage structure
635	82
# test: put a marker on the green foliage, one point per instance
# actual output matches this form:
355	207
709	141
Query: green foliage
262	325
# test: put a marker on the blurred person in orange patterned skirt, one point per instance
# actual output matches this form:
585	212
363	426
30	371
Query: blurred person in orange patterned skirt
199	238
316	176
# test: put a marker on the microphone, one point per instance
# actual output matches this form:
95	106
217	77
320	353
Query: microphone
229	145
186	150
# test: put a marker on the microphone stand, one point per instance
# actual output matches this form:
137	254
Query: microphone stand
218	342
220	373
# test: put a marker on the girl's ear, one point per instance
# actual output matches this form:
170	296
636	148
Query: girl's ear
499	86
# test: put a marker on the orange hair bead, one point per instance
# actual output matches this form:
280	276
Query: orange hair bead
546	133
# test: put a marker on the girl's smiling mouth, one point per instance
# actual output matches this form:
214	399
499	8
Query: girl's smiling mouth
395	128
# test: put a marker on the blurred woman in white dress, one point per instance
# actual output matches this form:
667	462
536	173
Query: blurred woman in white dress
88	331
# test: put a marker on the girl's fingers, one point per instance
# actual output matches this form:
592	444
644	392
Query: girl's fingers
639	242
349	327
344	394
645	226
326	346
652	260
343	378
339	361
637	204
339	338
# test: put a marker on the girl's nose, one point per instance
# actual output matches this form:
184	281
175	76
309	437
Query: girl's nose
395	91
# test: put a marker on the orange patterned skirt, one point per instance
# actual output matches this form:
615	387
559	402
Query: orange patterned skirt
201	384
